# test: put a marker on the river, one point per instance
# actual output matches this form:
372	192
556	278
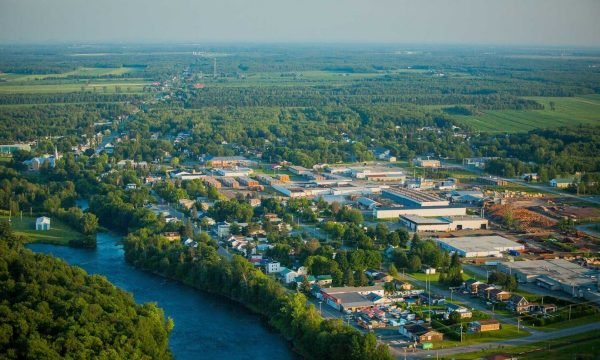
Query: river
206	326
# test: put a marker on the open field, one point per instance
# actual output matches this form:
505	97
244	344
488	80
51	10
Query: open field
568	111
83	72
59	232
100	87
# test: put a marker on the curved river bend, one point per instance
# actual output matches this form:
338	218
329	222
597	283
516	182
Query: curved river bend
206	326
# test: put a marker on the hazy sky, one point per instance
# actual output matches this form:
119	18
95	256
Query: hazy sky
543	22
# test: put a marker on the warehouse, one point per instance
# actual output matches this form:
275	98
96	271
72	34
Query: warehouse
445	223
414	198
479	246
395	212
555	274
353	298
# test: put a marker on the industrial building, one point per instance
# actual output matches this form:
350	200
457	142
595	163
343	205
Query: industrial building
395	212
427	163
234	172
556	274
479	246
414	198
353	298
444	223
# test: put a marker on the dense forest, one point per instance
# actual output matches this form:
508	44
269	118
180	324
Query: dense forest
51	310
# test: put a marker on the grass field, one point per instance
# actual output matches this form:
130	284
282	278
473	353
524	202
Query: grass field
568	111
59	232
83	72
582	346
110	87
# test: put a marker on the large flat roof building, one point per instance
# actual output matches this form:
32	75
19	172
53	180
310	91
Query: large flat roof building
556	274
479	246
444	223
395	212
415	198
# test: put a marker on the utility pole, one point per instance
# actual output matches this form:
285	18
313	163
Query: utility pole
518	324
461	333
570	312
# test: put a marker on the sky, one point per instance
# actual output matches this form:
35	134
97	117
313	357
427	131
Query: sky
501	22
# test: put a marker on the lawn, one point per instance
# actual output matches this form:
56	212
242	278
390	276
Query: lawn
568	111
59	232
586	345
507	332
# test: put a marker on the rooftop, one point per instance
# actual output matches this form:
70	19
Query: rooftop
480	243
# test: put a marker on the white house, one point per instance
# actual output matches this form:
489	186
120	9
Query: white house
288	275
273	267
42	223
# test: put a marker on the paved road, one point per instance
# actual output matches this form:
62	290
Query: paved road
537	337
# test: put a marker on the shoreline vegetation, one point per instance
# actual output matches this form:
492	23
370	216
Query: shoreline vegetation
52	310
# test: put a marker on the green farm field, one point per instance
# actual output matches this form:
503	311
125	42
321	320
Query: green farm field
110	87
568	111
83	72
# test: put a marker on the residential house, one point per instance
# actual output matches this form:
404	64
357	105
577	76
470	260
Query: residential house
287	275
420	333
519	304
471	285
463	311
324	280
485	325
172	236
498	295
273	267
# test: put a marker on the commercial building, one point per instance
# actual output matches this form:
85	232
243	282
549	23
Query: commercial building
212	182
491	180
561	183
229	161
395	212
414	198
230	182
377	173
249	182
556	274
299	170
238	171
427	163
479	246
447	223
353	298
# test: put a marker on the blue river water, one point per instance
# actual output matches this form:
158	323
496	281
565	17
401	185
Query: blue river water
206	326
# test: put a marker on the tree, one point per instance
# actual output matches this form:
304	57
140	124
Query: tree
348	277
414	263
305	287
393	271
89	224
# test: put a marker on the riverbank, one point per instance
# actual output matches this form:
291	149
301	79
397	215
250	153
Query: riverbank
206	325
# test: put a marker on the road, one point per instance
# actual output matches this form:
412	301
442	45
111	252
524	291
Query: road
536	337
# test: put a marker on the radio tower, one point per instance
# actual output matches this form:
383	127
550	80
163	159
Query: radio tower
215	67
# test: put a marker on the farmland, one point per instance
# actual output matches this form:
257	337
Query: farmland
568	111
